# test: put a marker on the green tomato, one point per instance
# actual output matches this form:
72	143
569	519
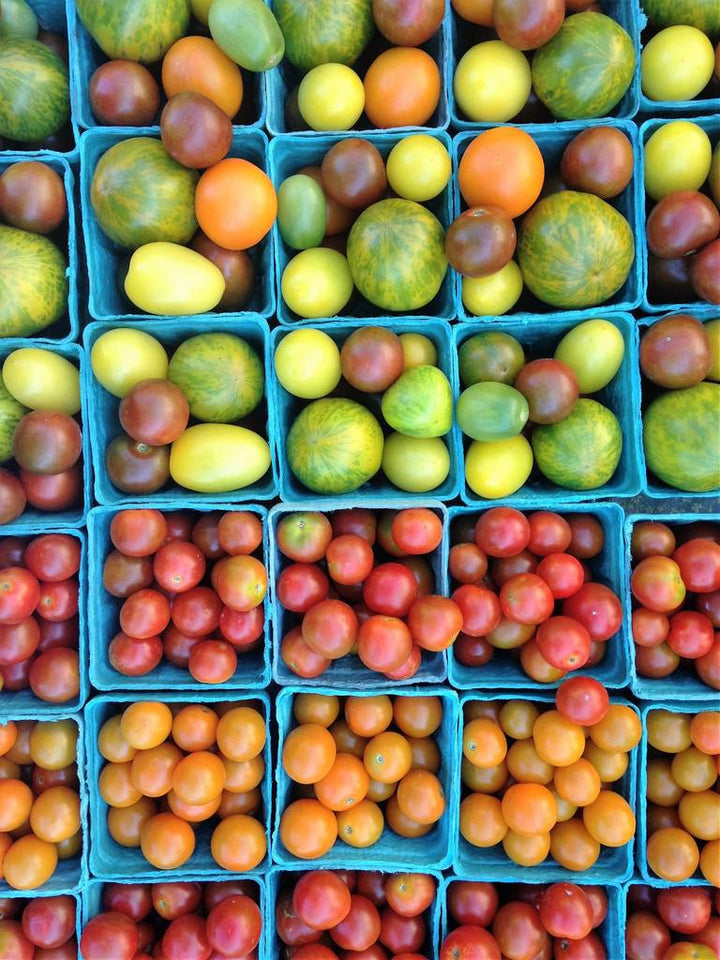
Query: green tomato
123	357
307	363
418	167
677	157
331	97
492	82
594	350
498	468
676	64
415	464
317	283
494	295
42	380
302	214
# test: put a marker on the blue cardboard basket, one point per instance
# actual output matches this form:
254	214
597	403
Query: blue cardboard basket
348	672
466	35
106	302
282	80
391	853
611	930
280	877
86	56
614	671
70	875
103	406
707	101
686	706
253	669
66	329
23	704
711	126
38	521
614	865
552	139
110	861
285	408
684	683
288	154
621	395
652	485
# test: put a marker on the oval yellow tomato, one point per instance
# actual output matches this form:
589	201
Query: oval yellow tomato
218	457
167	278
42	380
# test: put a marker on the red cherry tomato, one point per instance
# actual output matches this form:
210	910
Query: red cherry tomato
132	899
649	627
134	658
186	939
301	659
358	521
109	935
240	629
699	562
469	942
563	573
684	909
145	614
58	600
176	898
233	927
330	628
691	634
657	583
467	563
597	608
196	612
391	589
434	622
549	533
472	902
502	532
503	569
178	566
138	533
49	922
565	911
212	661
416	530
563	642
361	926
53	556
301	585
518	929
480	609
19	594
349	559
384	643
526	599
321	899
401	934
583	700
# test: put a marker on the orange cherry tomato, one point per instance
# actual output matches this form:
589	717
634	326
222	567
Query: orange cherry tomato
238	843
529	809
16	801
572	846
401	824
517	719
19	752
668	731
308	829
619	729
526	765
316	708
418	716
388	757
151	771
53	743
578	783
193	812
611	767
243	775
145	724
526	851
609	819
484	743
235	203
479	709
345	785
558	740
368	716
199	65
8	735
672	854
112	744
705	731
55	815
234	803
70	847
241	733
402	88
425	754
29	863
199	777
475	11
504	167
125	824
362	825
346	740
420	797
484	780
309	753
167	842
115	785
378	792
194	727
481	820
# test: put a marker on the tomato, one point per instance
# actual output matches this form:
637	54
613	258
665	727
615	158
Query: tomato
134	900
549	533
684	950
582	700
467	563
178	566
54	676
294	833
123	575
361	926
416	530
646	936
204	535
619	729
144	614
691	634
239	532
502	532
301	585
480	608
503	569
527	599
434	622
186	937
484	743
472	902
409	668
563	574
410	894
58	600
212	661
240	581
321	899
138	533
565	911
518	930
18	641
241	733
55	814
649	627
350	559
390	589
175	899
563	642
330	628
656	583
197	64
708	667
196	612
536	666
345	784
609	819
402	88
650	538
684	909
597	608
235	203
53	556
588	536
504	167
233	927
420	797
58	491
19	594
383	643
304	537
401	934
469	942
299	657
109	935
308	753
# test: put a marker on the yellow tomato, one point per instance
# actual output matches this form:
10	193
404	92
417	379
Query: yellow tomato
418	167
677	157
594	350
492	82
200	10
331	97
712	329
418	350
676	64
494	295
218	458
317	283
167	278
307	363
415	464
497	468
42	380
123	357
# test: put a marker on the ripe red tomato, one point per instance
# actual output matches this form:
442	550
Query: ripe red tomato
467	563
54	675
53	556
583	700
138	533
480	608
177	646
649	628
186	939
384	643
598	902
212	661
473	902
239	532
58	633
473	651
563	643
549	533
233	927
109	935
468	943
349	558
290	928
134	658
502	532
597	608
588	536
330	628
196	613
123	575
361	926
176	898
565	911
19	594
401	934
423	573
409	668
518	930
145	614
301	659
434	622
240	581
526	599
391	589
409	894
590	947
49	922
684	909
13	941
304	537
563	573
371	884
646	936
242	630
699	562
58	600
358	520
657	583
416	530
178	566
659	661
300	586
321	899
205	535
503	569
18	641
132	899
691	634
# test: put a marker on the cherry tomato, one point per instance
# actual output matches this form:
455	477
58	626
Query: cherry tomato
19	594
480	609
563	573
502	532
186	937
503	569
18	641
650	538
565	911
304	537
563	642
49	922
583	700
58	600
138	533
473	902
301	659
518	929
434	622
123	575
300	586
240	581
242	630
384	643
358	520
132	899
212	661
467	563
175	898
361	926
53	556
321	899
54	676
468	942
145	614
350	559
290	928
109	935
699	562
178	566
416	530
205	535
646	936
657	583
649	627
527	599
330	628
132	657
691	634
233	927
549	533
588	536
684	909
390	589
196	612
239	532
597	608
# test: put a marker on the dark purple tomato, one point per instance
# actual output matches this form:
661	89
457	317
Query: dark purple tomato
124	94
12	551
353	173
705	273
527	24
408	23
47	442
675	352
235	265
598	160
12	497
339	218
578	6
669	280
680	223
372	358
32	197
480	241
194	130
52	492
55	42
123	576
550	388
137	467
154	412
473	651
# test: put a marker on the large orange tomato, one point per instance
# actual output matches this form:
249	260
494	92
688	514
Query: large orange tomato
199	65
235	203
502	166
402	88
